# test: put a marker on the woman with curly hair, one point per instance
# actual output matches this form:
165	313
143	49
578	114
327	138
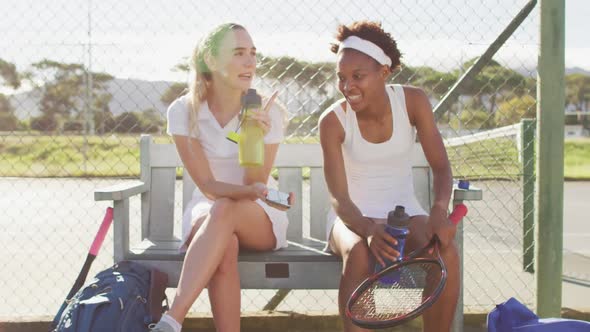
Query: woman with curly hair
366	140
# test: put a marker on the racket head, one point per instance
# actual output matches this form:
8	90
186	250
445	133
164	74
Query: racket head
400	292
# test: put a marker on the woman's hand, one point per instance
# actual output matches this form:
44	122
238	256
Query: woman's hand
442	226
258	190
380	243
262	116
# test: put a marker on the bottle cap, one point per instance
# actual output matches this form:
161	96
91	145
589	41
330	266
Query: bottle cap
399	211
398	217
463	184
251	99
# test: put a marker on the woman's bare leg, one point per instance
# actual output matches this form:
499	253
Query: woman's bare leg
244	218
224	290
356	266
440	316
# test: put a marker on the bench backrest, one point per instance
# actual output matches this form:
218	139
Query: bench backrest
159	164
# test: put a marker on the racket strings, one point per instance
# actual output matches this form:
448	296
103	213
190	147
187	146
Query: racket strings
398	292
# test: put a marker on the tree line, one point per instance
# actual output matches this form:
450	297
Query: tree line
73	99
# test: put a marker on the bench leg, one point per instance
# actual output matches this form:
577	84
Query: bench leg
120	229
274	302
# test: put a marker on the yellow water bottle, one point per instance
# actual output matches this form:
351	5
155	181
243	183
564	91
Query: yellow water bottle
251	141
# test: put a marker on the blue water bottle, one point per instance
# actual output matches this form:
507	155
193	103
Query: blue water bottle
397	226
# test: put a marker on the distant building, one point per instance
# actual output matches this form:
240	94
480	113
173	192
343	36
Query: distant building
574	130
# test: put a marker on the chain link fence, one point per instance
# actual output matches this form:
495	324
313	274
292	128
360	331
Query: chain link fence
82	79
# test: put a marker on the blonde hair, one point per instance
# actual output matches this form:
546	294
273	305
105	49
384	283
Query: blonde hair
207	47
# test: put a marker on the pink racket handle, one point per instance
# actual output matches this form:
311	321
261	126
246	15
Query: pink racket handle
102	232
458	213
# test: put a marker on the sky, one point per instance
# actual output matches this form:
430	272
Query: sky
145	39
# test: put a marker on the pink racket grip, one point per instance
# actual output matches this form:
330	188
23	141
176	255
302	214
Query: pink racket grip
458	213
102	232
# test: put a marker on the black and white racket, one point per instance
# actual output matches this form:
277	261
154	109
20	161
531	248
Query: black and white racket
403	290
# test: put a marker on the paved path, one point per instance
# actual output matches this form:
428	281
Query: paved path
47	225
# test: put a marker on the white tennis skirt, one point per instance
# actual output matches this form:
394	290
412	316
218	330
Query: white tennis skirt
199	207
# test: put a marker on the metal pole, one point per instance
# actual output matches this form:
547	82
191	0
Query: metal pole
550	130
89	88
465	79
527	158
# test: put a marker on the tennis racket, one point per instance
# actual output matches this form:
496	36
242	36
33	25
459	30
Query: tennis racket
92	253
403	290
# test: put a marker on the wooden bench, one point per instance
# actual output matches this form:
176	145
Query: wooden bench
302	265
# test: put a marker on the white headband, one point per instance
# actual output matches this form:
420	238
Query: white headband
366	47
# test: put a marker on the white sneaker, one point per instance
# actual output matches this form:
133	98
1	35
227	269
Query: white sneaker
162	327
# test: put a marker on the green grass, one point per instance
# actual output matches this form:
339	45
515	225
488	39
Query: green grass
65	156
489	159
577	159
118	156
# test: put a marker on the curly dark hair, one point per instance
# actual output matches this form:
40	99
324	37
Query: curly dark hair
372	32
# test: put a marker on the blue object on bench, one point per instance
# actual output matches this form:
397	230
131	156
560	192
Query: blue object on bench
463	184
513	316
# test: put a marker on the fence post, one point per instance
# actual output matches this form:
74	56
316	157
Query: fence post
527	157
550	128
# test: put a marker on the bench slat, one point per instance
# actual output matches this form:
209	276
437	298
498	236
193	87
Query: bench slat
161	211
164	155
290	180
299	155
302	275
321	204
422	181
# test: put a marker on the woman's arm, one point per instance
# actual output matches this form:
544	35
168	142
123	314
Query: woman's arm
421	116
432	144
195	163
331	138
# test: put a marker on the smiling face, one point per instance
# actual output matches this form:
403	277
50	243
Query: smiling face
236	63
360	78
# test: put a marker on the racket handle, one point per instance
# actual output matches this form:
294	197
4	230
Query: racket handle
458	213
102	232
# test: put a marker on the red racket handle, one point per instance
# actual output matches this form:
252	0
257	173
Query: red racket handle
102	232
458	213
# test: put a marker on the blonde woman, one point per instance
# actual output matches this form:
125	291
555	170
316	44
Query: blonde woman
227	211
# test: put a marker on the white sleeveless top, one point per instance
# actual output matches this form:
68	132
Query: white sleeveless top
379	176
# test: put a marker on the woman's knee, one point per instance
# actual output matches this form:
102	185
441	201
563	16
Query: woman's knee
222	208
229	261
356	258
419	234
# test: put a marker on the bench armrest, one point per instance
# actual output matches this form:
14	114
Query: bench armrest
120	191
471	194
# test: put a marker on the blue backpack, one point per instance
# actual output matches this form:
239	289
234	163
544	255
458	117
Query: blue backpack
127	297
513	316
